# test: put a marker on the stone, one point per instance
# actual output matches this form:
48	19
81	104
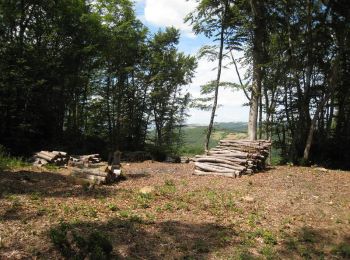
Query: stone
248	199
146	190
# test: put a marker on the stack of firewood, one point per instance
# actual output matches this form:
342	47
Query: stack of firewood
102	175
234	158
90	158
55	157
60	158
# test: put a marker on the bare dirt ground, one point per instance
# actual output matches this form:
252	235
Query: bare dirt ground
162	211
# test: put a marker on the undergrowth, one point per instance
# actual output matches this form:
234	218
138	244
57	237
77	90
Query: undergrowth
10	162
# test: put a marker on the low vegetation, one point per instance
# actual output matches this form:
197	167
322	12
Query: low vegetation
163	211
10	162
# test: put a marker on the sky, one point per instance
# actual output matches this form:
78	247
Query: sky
158	14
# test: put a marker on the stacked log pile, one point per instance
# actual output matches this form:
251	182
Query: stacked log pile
90	158
55	157
233	158
95	175
60	158
104	174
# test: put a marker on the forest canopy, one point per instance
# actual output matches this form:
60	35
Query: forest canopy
87	75
84	75
297	84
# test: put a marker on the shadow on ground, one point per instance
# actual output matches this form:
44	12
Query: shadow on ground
47	184
313	243
133	238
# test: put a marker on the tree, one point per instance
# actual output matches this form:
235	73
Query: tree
258	40
169	70
212	19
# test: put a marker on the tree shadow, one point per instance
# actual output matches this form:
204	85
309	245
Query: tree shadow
134	238
313	243
138	176
48	184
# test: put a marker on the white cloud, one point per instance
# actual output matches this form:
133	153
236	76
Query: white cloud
162	13
169	13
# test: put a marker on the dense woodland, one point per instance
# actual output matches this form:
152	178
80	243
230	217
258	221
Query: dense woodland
87	75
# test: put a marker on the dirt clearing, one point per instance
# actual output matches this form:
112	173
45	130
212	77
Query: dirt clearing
162	211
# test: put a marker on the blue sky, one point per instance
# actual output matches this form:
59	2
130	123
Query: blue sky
157	14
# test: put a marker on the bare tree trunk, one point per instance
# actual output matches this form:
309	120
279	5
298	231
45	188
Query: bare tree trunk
260	116
211	123
257	9
332	85
312	128
253	114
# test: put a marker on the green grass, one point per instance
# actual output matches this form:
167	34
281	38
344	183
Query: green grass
10	162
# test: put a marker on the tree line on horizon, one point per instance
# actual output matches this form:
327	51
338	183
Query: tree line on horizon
87	75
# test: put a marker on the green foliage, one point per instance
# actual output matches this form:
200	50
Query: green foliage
87	76
10	162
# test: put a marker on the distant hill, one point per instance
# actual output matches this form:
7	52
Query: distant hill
194	135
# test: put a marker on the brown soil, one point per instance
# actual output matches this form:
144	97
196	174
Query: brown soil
162	211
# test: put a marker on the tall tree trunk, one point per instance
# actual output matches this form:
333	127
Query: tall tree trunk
258	39
211	123
260	116
312	128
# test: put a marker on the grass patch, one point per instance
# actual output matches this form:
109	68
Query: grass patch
35	196
112	207
51	167
342	250
10	162
144	200
268	252
168	188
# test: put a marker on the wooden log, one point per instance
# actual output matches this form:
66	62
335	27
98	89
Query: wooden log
229	166
87	156
60	153
91	178
40	162
227	154
232	159
211	168
229	151
226	174
45	155
218	160
91	171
